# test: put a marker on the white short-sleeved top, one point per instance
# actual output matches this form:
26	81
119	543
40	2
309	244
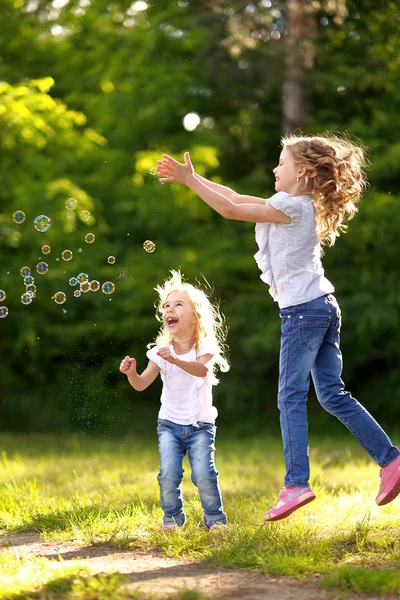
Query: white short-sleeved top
186	399
289	254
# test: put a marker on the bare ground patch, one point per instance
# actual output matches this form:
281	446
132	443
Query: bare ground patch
162	575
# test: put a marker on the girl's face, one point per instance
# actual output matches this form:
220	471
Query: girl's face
286	173
178	314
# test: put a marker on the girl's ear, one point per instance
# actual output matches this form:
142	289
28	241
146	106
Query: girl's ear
301	170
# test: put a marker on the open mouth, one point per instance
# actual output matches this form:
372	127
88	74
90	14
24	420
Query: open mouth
171	321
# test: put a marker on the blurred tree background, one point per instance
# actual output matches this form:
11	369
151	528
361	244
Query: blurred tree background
92	92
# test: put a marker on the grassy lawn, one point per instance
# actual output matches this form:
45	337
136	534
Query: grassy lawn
98	491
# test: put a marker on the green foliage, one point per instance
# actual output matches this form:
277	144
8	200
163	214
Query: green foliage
90	98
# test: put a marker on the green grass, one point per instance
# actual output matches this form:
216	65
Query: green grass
93	492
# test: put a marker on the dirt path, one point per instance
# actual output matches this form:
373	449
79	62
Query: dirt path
160	575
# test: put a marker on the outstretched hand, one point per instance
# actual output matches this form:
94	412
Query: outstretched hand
170	170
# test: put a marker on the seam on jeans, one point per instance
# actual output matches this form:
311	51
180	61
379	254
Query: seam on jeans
285	399
343	420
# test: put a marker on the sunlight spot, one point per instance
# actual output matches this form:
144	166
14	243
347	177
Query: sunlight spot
191	121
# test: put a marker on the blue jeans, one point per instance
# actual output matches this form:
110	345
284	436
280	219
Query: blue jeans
310	345
199	442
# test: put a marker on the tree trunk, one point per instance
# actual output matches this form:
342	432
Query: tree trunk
301	24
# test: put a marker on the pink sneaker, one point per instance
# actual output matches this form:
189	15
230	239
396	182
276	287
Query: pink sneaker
289	500
169	527
390	482
217	527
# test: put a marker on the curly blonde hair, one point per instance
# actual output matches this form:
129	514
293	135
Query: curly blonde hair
335	176
210	325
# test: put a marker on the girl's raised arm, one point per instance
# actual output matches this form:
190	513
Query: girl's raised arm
252	209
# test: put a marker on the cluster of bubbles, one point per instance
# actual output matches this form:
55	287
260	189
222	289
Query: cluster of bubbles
42	223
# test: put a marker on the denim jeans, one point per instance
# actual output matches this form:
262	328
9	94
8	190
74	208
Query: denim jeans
310	345
199	442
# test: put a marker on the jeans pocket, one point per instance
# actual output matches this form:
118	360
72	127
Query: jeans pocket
206	426
312	330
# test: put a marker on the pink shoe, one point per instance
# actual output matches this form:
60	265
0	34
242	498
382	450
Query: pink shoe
217	527
289	500
390	482
169	527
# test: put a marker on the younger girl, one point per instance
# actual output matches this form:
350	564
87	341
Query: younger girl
318	181
186	351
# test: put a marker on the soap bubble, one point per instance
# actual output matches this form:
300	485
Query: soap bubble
85	286
73	281
77	293
59	297
26	298
45	249
85	215
25	271
149	246
31	289
89	238
29	280
2	295
3	312
70	204
66	255
94	285
42	223
82	277
19	217
111	260
42	268
108	287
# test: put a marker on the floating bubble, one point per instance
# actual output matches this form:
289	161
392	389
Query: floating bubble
59	297
149	246
26	298
29	280
25	271
85	286
111	260
79	249
108	287
73	281
82	277
77	293
31	289
42	223
2	295
85	215
70	204
64	310
46	249
3	312
89	238
94	285
42	268
66	255
19	217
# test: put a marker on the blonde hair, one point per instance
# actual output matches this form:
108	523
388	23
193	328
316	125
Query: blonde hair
210	326
335	177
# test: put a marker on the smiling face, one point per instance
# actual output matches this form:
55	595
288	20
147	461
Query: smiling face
286	173
178	314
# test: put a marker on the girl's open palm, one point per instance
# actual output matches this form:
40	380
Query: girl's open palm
170	170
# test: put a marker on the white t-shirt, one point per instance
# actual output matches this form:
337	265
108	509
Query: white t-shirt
186	399
289	254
